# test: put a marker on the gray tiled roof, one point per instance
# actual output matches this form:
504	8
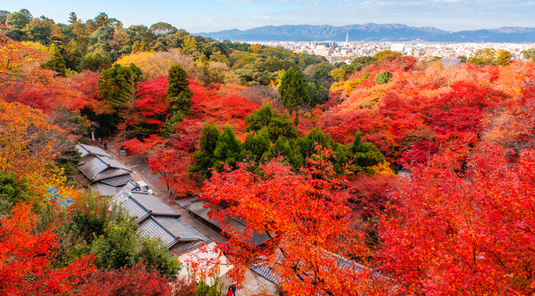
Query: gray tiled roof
267	272
152	203
97	168
177	234
88	150
150	228
140	204
110	173
180	228
118	181
113	163
180	249
129	186
92	166
133	208
157	219
104	189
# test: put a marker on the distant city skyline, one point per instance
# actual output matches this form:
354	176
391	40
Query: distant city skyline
216	15
341	50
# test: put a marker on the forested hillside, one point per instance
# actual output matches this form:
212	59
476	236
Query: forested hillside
306	153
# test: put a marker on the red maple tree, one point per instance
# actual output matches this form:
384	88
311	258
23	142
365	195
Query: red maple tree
449	233
303	220
26	258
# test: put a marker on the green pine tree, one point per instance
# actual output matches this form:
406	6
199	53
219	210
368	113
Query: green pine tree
277	124
118	85
227	151
204	158
364	155
56	62
171	123
178	92
282	148
255	145
259	118
293	92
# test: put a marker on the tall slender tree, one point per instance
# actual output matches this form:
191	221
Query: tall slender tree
179	97
293	92
178	92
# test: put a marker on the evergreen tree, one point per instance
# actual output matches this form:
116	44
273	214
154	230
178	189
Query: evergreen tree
55	62
293	92
178	92
277	124
306	146
3	16
203	159
364	155
95	61
282	148
383	77
259	118
12	191
171	123
281	126
255	145
17	20
227	151
118	85
73	19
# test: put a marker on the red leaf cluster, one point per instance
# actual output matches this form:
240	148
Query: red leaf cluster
448	233
26	259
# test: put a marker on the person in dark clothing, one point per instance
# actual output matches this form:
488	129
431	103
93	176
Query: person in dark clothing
231	290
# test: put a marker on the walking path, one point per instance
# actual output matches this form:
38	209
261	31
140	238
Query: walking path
140	171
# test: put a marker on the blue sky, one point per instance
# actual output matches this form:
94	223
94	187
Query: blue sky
214	15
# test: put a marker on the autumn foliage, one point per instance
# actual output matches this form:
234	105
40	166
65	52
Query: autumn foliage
23	80
26	259
450	232
434	104
302	220
319	202
128	280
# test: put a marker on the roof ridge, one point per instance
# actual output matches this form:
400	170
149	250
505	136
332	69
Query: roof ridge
163	227
132	197
83	147
144	217
101	160
178	240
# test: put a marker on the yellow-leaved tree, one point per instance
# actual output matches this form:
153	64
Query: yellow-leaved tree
27	149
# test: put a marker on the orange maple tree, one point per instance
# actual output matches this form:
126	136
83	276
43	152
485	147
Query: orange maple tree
303	220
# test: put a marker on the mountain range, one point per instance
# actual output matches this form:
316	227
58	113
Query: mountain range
373	32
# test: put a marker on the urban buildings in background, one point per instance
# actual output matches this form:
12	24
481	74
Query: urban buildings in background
339	51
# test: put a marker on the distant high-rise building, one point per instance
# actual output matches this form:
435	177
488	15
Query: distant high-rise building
347	38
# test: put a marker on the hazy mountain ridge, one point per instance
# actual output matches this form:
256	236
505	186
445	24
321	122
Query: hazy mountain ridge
373	32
